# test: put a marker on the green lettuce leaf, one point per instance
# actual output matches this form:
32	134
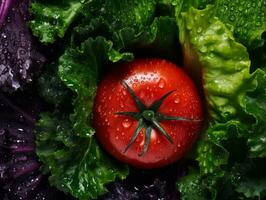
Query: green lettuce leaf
257	107
249	179
77	165
123	22
52	88
65	140
226	78
211	156
191	187
51	19
246	17
80	69
222	65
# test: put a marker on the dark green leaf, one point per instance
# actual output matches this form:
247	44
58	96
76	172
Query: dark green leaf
51	88
79	69
51	19
211	157
191	187
77	165
256	105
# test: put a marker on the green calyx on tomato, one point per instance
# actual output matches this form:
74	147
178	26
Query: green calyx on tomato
149	118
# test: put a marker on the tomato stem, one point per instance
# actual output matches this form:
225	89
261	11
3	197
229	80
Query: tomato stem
138	102
149	118
135	135
147	140
135	115
148	115
157	104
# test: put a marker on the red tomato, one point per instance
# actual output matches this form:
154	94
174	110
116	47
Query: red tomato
147	113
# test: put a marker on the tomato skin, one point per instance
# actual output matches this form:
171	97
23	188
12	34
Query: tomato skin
150	79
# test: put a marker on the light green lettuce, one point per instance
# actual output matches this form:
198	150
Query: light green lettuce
247	17
222	66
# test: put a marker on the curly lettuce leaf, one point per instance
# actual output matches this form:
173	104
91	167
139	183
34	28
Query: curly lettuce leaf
223	65
256	106
248	19
79	69
211	156
247	180
191	187
120	21
245	16
65	141
51	19
77	165
52	88
226	78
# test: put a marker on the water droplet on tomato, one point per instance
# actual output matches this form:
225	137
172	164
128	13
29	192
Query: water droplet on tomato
126	123
117	129
99	108
161	83
116	137
178	145
177	100
122	105
124	92
142	94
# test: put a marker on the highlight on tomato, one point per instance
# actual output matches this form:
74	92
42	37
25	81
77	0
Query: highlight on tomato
147	113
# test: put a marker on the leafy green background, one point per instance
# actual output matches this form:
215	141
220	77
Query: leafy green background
223	46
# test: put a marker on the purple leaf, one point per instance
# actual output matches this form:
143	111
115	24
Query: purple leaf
20	176
19	59
4	8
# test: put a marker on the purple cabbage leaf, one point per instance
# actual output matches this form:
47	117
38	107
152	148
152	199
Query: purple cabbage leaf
20	60
20	175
